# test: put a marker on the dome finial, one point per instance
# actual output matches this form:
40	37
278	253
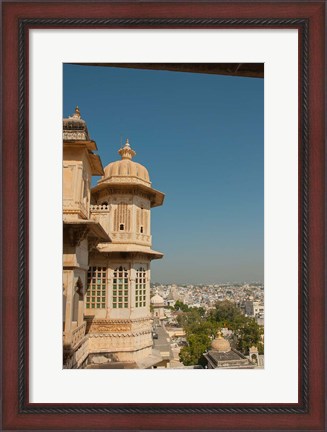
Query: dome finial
126	152
77	112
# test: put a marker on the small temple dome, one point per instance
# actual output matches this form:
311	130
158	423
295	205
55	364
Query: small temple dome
157	299
220	344
126	167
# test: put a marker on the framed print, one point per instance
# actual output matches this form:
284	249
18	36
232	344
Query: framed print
229	98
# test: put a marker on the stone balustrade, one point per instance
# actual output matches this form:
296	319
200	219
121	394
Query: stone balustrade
99	207
78	334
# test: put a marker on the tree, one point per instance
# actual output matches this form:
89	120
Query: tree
246	331
189	320
199	332
200	328
249	334
226	314
180	306
192	354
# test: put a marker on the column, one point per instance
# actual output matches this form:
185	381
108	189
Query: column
69	281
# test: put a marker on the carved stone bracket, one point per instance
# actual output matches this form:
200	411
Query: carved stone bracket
77	235
79	286
93	243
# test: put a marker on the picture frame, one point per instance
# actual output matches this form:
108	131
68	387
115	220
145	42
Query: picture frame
18	413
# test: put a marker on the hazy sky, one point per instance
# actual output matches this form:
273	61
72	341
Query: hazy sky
201	138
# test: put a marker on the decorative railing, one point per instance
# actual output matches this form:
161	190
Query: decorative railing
122	236
99	207
78	334
131	237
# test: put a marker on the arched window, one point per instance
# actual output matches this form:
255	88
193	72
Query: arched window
120	286
140	288
142	220
121	227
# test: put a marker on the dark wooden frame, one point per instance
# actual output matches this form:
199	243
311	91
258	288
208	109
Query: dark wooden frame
308	413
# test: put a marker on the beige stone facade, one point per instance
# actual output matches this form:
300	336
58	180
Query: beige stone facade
107	253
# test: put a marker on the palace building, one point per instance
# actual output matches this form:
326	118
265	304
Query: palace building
107	255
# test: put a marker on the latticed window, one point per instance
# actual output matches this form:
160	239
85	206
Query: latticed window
120	288
96	283
140	288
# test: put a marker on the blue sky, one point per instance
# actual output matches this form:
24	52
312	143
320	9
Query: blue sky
201	137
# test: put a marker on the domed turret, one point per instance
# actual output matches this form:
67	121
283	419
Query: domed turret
74	127
157	300
126	169
125	174
220	344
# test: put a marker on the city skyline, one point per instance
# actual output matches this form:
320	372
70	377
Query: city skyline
201	139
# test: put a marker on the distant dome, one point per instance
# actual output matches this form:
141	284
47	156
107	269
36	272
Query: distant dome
220	344
157	299
126	168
